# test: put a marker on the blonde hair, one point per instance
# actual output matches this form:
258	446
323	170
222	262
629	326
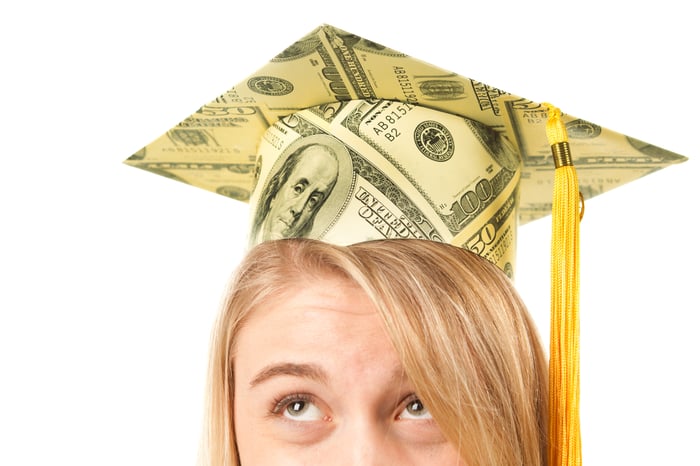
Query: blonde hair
461	331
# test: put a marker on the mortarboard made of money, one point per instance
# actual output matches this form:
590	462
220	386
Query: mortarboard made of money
417	151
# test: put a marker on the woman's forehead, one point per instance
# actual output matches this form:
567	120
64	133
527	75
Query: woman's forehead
310	301
332	324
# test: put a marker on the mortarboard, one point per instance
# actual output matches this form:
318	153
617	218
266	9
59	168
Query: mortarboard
378	144
441	116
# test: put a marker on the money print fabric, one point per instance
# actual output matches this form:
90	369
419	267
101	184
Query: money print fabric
342	139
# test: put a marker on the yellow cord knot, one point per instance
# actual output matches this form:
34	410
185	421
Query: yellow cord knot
556	129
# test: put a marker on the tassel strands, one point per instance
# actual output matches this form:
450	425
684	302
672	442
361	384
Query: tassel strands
564	380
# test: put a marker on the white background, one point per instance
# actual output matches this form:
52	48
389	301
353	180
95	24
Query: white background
110	277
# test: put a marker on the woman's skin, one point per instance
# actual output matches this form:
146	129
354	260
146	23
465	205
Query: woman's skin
319	383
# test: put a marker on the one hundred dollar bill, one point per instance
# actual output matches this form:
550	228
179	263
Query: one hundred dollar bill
371	169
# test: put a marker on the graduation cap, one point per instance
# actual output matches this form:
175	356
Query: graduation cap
431	149
342	139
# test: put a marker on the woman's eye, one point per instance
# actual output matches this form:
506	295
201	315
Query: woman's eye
300	409
415	410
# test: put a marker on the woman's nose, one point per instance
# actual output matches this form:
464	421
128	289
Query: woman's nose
368	444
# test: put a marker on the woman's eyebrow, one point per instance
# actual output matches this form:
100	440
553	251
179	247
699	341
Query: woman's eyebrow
309	371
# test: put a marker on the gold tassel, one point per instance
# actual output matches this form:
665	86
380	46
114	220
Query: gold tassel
564	388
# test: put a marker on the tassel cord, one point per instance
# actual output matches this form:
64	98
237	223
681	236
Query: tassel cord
564	377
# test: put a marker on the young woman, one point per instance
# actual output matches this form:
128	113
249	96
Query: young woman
392	352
